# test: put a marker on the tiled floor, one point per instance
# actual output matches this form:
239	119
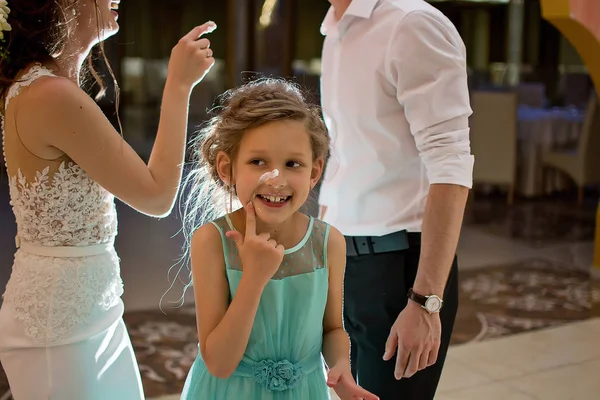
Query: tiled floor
559	363
537	223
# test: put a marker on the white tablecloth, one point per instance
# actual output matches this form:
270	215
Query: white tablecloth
540	130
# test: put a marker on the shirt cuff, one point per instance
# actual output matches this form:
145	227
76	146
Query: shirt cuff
453	169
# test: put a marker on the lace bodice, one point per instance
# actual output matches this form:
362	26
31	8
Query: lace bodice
62	207
66	208
56	204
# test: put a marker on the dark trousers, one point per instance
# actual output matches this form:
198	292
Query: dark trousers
375	292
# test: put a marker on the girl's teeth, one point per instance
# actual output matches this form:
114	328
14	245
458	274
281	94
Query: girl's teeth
275	199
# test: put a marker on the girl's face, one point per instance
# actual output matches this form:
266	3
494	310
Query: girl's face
282	145
96	20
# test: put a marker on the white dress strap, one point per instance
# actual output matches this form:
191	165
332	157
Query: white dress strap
34	73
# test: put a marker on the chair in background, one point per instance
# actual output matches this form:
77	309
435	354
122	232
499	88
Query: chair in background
581	164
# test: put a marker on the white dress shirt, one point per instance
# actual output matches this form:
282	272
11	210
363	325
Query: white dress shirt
396	103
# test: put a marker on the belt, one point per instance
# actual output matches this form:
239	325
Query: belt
278	375
397	241
64	251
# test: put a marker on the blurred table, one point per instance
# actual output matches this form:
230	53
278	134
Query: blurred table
539	130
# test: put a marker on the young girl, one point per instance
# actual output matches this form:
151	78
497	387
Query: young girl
61	330
267	278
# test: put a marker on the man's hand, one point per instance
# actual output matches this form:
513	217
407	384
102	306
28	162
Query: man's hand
416	334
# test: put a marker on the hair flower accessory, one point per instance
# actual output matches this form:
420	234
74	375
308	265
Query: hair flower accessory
4	27
4	11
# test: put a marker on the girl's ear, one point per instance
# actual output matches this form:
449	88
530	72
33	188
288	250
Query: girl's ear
316	172
225	169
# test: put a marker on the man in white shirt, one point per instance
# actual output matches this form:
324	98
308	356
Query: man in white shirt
395	100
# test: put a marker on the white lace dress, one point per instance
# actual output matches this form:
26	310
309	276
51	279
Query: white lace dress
61	330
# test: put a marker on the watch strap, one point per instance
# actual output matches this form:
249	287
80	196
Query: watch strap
416	297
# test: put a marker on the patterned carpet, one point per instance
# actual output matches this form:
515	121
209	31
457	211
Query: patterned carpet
524	296
165	346
494	302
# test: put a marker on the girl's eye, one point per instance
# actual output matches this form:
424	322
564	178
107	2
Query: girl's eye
257	162
293	164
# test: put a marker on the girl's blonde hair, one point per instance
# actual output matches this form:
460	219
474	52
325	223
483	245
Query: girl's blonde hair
204	196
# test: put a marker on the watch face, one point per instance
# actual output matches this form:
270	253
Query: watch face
433	304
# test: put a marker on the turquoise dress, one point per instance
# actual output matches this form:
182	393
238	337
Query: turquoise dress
283	358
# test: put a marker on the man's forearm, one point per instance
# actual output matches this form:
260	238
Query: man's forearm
441	229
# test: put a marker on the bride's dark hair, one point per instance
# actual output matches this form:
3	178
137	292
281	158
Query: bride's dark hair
40	30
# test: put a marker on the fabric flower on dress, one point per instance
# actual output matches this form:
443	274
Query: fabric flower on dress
277	375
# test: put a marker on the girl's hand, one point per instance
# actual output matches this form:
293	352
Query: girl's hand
340	379
261	256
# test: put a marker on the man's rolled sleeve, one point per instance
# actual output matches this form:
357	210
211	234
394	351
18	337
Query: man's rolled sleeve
427	62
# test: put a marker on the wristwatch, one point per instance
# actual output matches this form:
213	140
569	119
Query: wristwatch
432	304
